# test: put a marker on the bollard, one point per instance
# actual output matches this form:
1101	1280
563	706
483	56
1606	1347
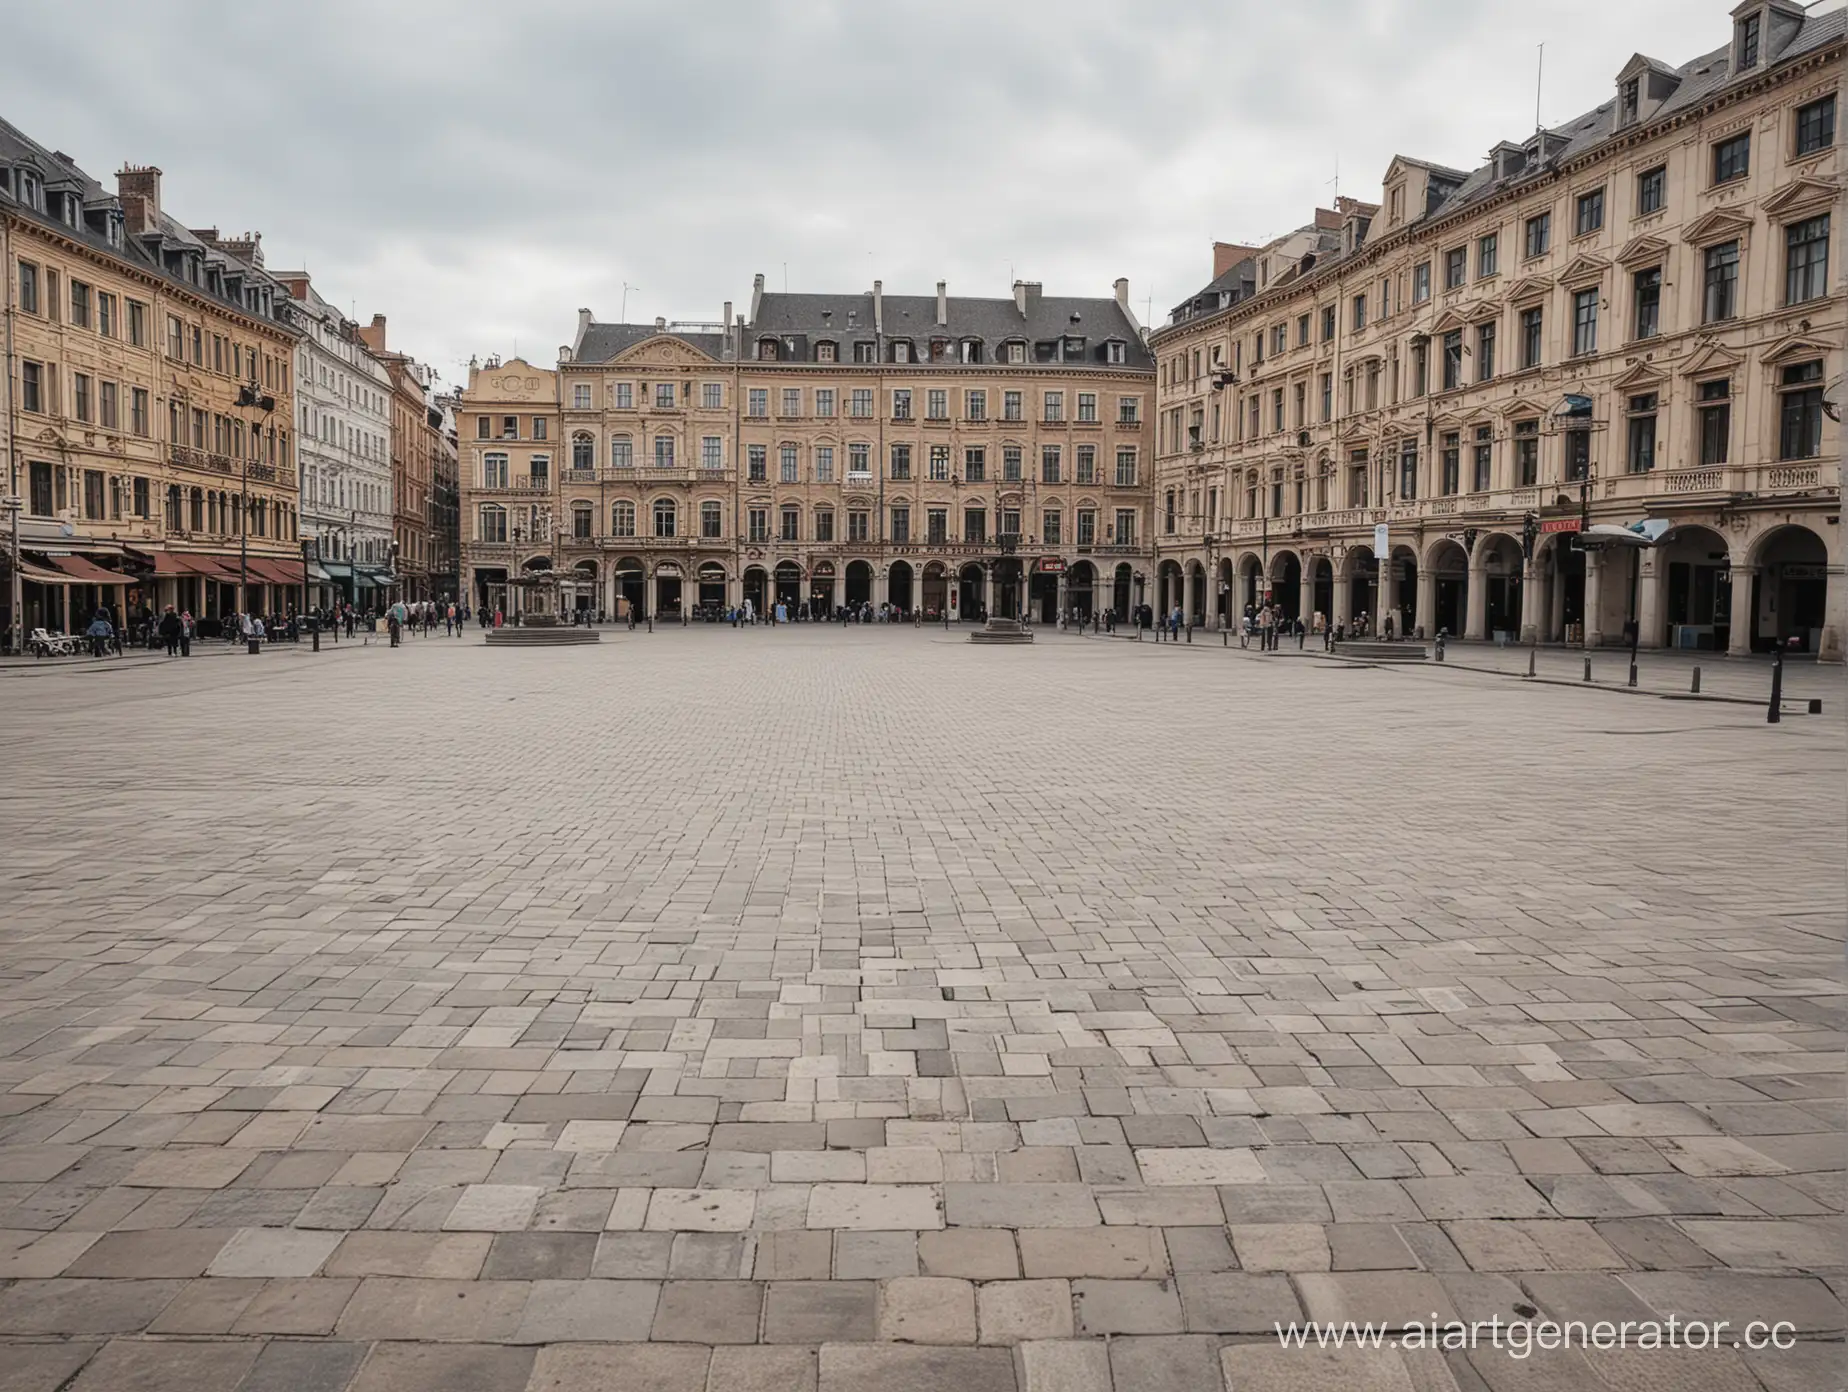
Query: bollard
1775	711
651	623
1225	639
1531	654
1632	669
1588	669
317	640
253	647
1694	686
1439	645
1190	633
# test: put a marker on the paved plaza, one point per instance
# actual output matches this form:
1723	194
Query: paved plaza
863	1009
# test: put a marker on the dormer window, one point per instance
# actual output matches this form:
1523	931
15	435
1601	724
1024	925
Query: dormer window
1396	205
1627	98
767	349
970	350
1114	351
1074	349
1016	352
1749	30
901	352
31	191
826	352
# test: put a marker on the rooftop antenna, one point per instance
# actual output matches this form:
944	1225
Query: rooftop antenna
622	315
785	277
1336	181
1539	71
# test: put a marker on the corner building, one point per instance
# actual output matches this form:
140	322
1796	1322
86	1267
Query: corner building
960	455
1635	315
507	437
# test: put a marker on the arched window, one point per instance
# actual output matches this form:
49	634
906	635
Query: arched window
493	523
583	451
664	517
198	510
622	452
622	519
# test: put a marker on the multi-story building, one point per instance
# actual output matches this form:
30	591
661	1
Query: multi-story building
646	517
1413	410
507	432
149	403
959	455
343	443
445	503
416	449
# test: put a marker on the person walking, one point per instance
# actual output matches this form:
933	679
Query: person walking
186	632
100	632
170	631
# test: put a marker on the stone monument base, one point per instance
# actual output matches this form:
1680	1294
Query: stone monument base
1002	631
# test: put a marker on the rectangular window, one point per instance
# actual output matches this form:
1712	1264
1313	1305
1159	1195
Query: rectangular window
1748	43
859	460
939	463
711	452
1087	464
857	525
1456	267
1484	459
1129	410
625	397
1800	414
1328	322
1578	455
1816	126
32	387
901	462
1715	412
580	399
1539	234
1806	260
1641	450
1055	406
901	404
1087	526
664	452
1360	312
138	418
711	520
792	401
622	452
788	465
936	525
824	463
824	524
1720	283
28	288
1488	255
1010	464
493	525
1531	324
1087	406
712	396
757	462
1485	351
41	502
81	398
142	501
1652	190
1051	526
936	404
1421	282
1453	359
1302	331
106	315
975	524
790	523
1450	463
1010	406
1647	299
901	525
1126	526
975	405
862	403
80	305
1126	468
1276	411
1584	322
1049	463
1732	158
758	402
1589	214
757	520
1327	388
538	427
108	415
1526	453
1420	374
1408	470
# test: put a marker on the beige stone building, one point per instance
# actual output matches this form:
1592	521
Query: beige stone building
142	479
417	458
952	454
647	520
1636	315
507	444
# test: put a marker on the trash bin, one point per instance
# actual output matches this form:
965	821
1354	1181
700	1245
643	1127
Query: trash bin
254	642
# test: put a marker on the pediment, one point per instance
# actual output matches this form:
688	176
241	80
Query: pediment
1642	374
1717	226
662	350
1642	251
1450	319
1639	63
1714	358
1583	270
1520	409
1446	420
1795	348
1800	198
1529	288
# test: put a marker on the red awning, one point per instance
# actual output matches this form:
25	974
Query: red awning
84	572
273	572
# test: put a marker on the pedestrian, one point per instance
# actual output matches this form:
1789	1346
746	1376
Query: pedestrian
1386	628
186	632
100	633
170	631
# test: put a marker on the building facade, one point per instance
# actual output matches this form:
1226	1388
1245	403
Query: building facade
343	443
959	456
507	433
1415	409
148	413
417	447
445	502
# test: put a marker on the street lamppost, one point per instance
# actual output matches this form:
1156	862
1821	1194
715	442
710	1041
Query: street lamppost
249	396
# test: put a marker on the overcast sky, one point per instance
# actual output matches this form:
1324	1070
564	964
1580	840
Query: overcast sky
478	171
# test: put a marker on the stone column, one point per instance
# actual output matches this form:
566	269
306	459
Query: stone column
1649	601
1594	598
1305	594
1338	609
1744	616
1476	601
1533	602
1426	617
1833	607
988	590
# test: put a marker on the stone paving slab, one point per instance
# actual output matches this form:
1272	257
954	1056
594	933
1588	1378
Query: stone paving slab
837	1009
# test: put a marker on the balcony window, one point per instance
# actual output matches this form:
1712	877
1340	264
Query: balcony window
1647	301
1526	453
1641	448
1714	412
1584	322
1720	283
1800	412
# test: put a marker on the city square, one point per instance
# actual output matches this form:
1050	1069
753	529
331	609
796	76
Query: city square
839	1007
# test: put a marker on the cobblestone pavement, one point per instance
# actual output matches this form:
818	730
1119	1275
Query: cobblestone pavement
840	1010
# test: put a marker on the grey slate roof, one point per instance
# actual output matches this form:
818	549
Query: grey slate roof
604	341
848	319
101	204
1697	81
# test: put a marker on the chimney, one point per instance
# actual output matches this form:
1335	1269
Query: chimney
1327	220
1020	297
1029	297
1122	293
584	317
878	306
1226	255
757	294
138	186
943	303
373	334
660	323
